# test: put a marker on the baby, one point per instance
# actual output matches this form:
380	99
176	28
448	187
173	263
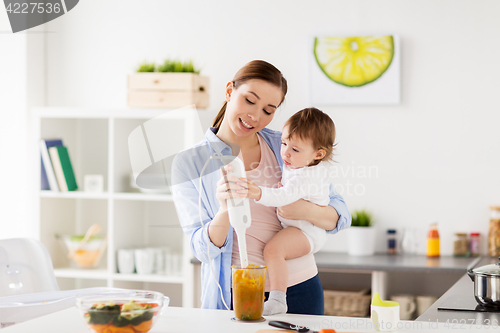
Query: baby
307	140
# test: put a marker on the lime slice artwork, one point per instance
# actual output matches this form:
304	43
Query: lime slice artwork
354	61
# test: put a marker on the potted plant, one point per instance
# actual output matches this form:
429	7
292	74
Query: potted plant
361	234
172	84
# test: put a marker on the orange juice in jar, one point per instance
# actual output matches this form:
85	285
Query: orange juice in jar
248	291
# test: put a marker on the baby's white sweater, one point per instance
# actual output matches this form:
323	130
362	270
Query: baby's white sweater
308	183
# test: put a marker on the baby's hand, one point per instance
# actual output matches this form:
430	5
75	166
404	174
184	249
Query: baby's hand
249	189
280	185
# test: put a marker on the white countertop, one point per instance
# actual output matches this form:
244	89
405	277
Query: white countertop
181	320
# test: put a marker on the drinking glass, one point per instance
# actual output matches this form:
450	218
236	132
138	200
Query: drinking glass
409	242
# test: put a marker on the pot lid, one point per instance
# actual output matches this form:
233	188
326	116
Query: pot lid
493	269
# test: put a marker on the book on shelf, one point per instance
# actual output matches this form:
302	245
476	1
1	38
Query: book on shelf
48	177
43	178
63	169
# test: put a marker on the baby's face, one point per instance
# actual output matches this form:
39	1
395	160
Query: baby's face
297	153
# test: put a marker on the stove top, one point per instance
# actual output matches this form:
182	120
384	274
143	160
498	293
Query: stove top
464	303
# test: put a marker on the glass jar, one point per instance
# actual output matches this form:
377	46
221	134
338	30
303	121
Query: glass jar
391	241
248	292
474	244
433	241
494	232
460	245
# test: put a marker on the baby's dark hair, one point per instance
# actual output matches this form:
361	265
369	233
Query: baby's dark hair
313	124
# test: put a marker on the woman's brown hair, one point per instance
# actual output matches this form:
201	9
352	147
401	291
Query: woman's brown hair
259	70
313	124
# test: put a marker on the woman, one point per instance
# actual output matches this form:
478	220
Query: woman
252	99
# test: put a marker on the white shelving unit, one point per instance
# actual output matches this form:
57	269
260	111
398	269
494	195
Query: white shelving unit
97	144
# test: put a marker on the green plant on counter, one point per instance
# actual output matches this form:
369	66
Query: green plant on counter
146	67
174	66
361	218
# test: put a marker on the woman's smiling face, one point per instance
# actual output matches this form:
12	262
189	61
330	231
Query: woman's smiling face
251	106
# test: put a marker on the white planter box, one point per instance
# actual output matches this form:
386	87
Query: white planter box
168	81
167	99
167	90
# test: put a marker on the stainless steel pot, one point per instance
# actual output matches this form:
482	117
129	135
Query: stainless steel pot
486	284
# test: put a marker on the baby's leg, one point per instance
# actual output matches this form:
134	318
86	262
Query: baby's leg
288	243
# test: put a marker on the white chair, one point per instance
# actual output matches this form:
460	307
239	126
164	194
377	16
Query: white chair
28	287
25	267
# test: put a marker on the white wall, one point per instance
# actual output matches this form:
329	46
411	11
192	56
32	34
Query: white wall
12	131
21	86
436	154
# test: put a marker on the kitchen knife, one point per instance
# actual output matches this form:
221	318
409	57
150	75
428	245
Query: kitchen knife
291	327
324	330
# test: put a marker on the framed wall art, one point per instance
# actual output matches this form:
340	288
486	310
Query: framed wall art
355	70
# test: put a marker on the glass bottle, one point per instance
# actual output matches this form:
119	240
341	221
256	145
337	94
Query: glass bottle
391	241
494	232
474	244
460	245
433	241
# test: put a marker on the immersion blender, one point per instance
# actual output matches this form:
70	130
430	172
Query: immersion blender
239	212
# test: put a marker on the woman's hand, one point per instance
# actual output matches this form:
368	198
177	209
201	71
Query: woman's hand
227	188
249	189
325	217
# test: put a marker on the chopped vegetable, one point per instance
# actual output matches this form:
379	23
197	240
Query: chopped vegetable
131	317
114	329
103	314
99	328
121	321
144	327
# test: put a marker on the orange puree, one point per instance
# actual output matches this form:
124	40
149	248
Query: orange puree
248	292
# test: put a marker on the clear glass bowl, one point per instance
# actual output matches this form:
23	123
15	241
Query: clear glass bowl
127	311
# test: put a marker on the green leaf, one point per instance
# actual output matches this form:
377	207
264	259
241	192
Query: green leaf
79	238
146	67
361	218
178	67
169	66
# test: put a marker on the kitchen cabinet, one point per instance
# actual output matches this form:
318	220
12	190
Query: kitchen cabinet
97	141
379	266
462	291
